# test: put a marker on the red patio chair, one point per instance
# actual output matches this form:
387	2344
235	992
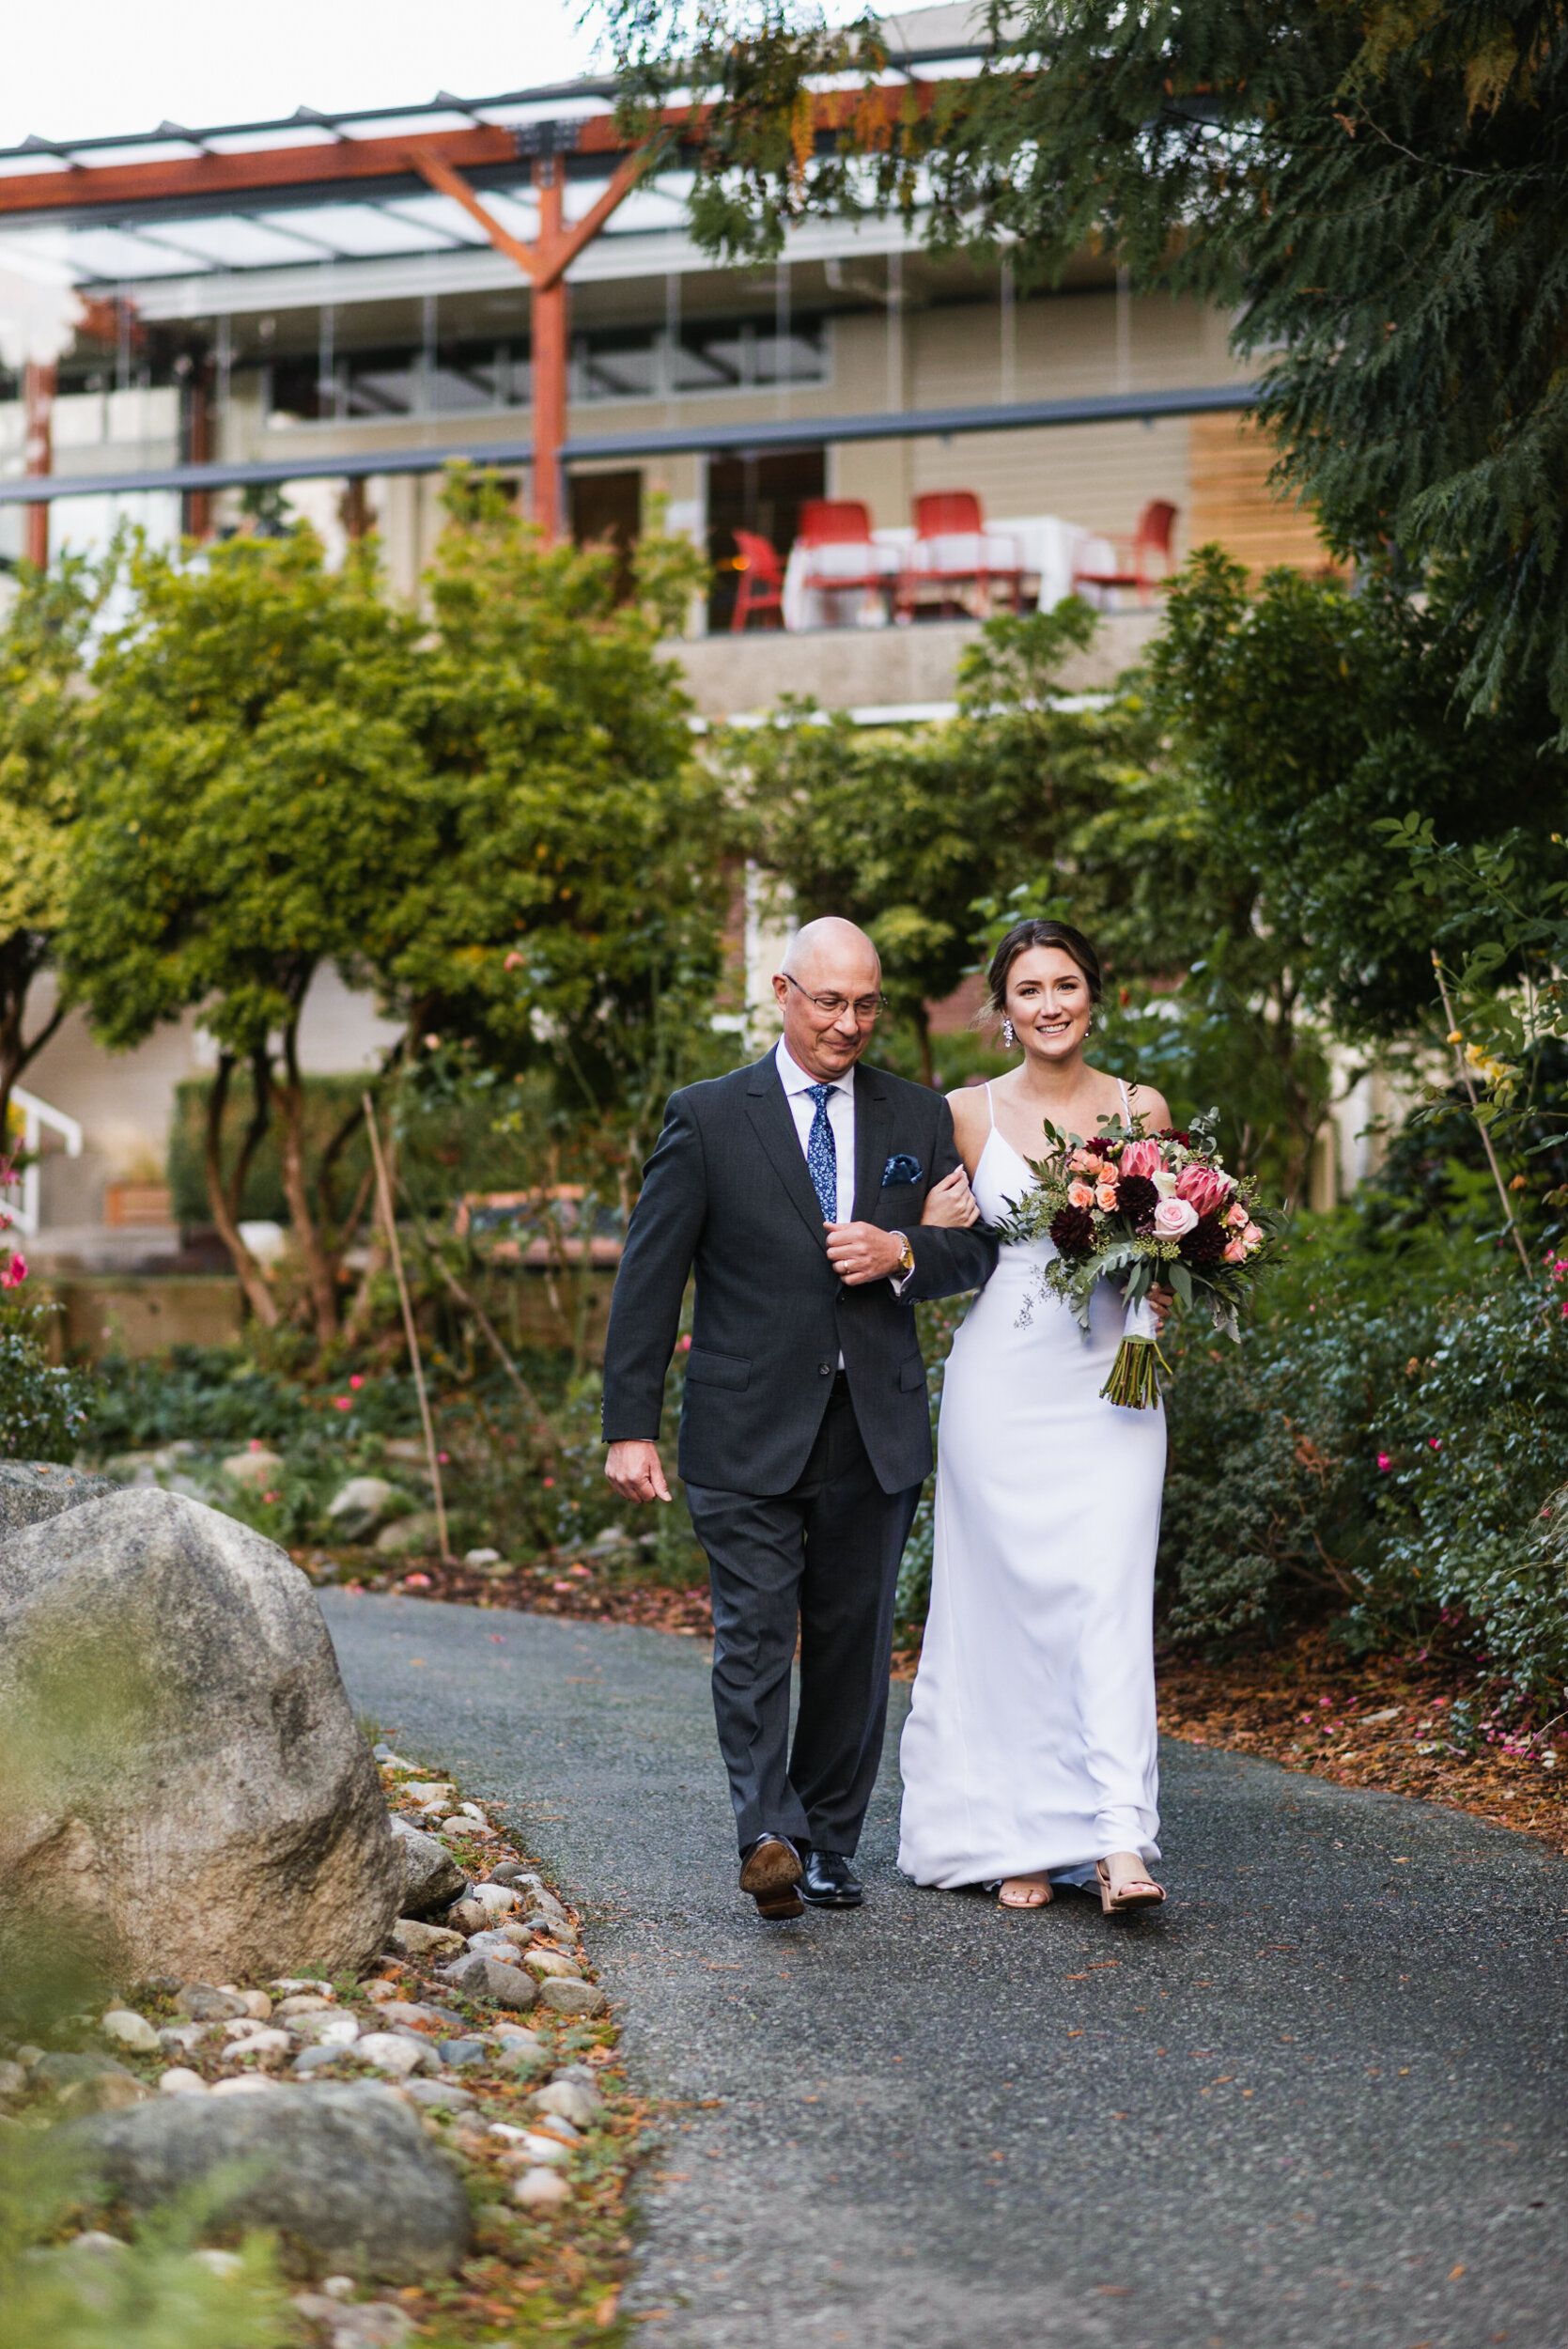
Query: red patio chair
1136	569
953	548
841	554
762	579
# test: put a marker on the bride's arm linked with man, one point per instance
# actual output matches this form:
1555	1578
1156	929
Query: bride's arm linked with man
816	1200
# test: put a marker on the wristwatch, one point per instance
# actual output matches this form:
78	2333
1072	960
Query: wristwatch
906	1255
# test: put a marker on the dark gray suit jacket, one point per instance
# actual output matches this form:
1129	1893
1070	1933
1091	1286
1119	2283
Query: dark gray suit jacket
727	1191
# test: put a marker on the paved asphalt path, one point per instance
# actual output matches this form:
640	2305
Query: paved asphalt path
1317	2103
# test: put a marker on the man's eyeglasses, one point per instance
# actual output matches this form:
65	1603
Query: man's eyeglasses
866	1008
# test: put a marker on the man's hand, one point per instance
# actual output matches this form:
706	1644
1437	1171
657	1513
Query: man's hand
636	1472
860	1252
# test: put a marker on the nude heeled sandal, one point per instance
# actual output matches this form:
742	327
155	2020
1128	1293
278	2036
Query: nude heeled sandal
1040	1884
1137	1888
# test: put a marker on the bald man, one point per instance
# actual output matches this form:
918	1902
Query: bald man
794	1189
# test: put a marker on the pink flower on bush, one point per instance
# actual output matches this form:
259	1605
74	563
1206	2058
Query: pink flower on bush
343	1401
416	1583
1236	1250
1140	1158
256	1445
14	1274
1174	1219
685	1346
1435	1444
356	1382
1104	1192
1384	1462
1205	1187
1081	1194
548	1482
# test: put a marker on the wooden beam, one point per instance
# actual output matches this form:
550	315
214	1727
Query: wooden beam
339	163
440	176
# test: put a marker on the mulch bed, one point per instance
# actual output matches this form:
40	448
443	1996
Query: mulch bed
1380	1721
1306	1706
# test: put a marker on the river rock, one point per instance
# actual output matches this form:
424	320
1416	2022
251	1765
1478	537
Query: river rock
200	1800
416	1535
32	1490
343	2171
258	1470
432	1877
572	1998
492	1982
132	2029
409	1938
363	1505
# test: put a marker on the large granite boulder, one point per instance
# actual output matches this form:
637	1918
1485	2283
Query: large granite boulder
186	1789
31	1491
344	2173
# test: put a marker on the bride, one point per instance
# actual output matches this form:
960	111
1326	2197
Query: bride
1029	1755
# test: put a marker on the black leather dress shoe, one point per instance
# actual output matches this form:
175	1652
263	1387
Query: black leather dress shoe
830	1882
770	1872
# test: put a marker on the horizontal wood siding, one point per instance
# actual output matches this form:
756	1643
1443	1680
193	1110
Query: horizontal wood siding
1229	460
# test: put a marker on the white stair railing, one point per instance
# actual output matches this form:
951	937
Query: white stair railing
22	1196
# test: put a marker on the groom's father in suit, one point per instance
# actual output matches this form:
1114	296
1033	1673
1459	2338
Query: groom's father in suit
794	1188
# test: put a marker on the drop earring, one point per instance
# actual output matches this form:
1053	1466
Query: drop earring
1009	1034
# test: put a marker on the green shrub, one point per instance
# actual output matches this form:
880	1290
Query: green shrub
1378	1450
43	1410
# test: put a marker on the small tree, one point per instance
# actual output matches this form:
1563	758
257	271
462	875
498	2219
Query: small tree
569	919
42	713
257	809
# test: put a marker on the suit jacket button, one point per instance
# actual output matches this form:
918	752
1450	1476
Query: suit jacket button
824	1370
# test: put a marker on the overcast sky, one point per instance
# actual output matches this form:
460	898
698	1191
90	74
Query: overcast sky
79	68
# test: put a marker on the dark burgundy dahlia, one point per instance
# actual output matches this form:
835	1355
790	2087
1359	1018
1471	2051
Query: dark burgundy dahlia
1073	1230
1137	1197
1206	1243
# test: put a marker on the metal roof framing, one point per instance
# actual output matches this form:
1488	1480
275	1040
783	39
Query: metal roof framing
714	440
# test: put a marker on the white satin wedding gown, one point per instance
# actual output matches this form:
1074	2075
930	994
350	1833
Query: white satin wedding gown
1030	1741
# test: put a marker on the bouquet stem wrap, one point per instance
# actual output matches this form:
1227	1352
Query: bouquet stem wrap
1134	1381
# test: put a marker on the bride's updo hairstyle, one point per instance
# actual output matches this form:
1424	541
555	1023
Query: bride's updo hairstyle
1037	933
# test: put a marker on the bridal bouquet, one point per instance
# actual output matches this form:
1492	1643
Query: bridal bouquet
1138	1210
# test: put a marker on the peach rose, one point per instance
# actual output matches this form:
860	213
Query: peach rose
1174	1217
1085	1162
1140	1158
1236	1251
1252	1237
1105	1193
1235	1215
1081	1194
1204	1186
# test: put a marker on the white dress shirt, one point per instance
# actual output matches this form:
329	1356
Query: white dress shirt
798	1084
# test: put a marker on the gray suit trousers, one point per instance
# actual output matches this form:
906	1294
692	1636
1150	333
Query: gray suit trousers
822	1559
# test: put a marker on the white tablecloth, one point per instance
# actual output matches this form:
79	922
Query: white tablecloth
1047	550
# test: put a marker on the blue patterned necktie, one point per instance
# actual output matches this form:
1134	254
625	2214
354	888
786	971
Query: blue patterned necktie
821	1155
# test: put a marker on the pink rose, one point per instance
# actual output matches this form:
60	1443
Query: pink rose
14	1274
1204	1186
1174	1217
1140	1158
1085	1162
1236	1217
1105	1193
1081	1194
1252	1237
1236	1251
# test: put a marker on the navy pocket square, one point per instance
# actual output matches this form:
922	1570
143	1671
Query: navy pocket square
902	1168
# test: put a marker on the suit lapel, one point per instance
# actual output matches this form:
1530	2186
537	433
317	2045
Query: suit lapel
774	1125
873	1124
